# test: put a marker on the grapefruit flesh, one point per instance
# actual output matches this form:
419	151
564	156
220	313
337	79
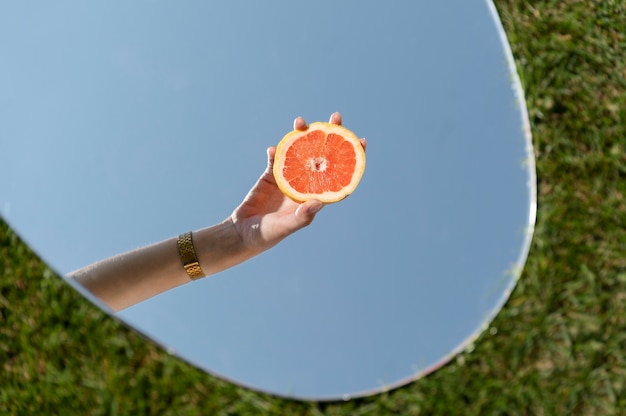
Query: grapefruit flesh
325	162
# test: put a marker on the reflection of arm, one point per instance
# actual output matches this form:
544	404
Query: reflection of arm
132	277
263	219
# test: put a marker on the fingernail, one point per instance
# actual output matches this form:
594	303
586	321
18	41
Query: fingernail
314	209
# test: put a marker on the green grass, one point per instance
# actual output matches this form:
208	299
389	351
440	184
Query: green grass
557	348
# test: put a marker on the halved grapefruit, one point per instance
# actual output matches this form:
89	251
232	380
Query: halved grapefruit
325	162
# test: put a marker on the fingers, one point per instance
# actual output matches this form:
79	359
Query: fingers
271	152
299	124
363	143
335	118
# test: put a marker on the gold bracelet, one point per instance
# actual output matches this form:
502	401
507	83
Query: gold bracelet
188	256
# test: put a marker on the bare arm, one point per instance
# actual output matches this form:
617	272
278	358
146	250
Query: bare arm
132	277
262	220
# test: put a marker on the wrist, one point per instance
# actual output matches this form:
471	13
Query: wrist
220	247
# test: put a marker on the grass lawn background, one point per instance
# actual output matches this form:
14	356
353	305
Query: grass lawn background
557	348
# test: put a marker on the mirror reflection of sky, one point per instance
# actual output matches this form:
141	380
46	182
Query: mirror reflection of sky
124	123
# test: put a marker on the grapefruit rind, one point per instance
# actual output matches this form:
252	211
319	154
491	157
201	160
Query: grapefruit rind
326	197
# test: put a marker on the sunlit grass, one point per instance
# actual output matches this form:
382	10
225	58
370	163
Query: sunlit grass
557	348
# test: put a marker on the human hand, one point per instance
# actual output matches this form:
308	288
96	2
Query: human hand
266	215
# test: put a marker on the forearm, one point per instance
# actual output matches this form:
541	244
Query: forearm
132	277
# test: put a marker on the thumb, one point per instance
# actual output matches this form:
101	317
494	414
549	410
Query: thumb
271	152
306	212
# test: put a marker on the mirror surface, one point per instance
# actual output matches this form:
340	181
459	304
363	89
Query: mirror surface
125	123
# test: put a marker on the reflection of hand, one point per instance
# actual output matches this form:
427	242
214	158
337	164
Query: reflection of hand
266	215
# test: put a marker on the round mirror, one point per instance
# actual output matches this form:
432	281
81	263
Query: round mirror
127	123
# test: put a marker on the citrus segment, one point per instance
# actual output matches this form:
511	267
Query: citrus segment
324	162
